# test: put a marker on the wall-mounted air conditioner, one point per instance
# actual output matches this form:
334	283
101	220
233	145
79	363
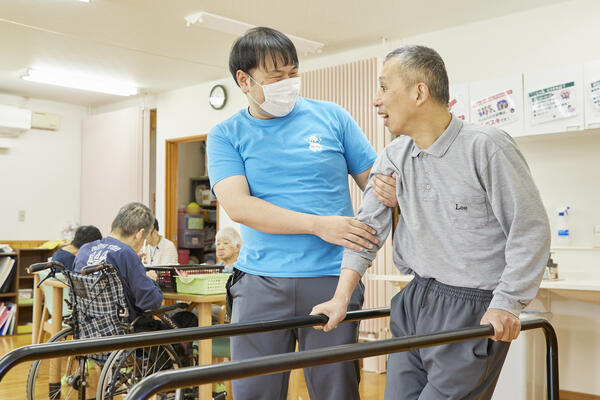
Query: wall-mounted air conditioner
14	120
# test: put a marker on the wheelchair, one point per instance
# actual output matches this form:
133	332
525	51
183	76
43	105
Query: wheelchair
98	308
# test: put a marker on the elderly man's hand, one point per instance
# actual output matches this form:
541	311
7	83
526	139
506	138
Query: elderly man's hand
152	275
384	188
335	309
506	325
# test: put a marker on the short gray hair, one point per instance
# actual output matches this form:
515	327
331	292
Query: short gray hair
231	234
131	218
423	64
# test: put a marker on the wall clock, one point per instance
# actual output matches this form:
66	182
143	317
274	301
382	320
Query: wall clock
217	97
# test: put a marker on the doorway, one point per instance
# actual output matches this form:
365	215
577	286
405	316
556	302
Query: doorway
193	230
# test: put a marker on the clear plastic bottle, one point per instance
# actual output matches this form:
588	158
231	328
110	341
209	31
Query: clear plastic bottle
563	233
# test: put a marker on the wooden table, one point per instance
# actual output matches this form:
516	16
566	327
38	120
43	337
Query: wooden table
202	303
38	297
56	307
56	310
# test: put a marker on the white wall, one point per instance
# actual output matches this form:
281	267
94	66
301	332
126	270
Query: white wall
41	174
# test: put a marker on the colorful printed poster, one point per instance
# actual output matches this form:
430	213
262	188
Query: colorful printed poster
496	110
595	94
552	103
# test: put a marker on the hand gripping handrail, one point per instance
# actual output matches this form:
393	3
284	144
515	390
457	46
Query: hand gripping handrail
192	376
110	343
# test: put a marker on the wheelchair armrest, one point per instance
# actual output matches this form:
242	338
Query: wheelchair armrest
162	310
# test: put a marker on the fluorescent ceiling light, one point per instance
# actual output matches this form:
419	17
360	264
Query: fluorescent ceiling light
238	28
74	81
85	1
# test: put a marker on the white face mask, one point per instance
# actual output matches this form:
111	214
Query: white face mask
280	97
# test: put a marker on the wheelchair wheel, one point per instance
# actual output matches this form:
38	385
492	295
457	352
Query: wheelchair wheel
125	368
60	378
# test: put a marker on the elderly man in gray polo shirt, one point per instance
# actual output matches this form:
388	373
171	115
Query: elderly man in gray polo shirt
473	231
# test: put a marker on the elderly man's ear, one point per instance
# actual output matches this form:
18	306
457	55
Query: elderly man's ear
141	235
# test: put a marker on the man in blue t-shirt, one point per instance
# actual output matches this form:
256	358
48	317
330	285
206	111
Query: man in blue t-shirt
280	168
120	249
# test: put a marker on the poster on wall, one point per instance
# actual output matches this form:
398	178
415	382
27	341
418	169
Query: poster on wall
553	103
459	101
498	102
592	94
496	110
554	100
594	91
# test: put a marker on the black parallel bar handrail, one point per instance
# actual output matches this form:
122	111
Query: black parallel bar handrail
111	343
192	376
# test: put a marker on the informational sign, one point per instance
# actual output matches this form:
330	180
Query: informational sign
553	103
591	81
594	91
496	110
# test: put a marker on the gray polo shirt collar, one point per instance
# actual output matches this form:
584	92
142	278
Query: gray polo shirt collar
442	144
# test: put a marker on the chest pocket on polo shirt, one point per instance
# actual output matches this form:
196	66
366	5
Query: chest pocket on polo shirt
469	212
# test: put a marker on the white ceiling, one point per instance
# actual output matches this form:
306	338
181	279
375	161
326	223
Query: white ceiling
146	42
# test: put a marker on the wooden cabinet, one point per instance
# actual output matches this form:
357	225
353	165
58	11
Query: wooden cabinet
22	280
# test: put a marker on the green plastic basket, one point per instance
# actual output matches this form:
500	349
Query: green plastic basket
202	283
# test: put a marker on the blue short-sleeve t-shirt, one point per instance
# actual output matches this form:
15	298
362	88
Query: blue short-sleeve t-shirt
299	162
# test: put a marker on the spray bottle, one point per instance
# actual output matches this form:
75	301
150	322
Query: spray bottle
563	237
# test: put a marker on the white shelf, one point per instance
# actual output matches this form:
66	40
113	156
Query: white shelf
575	248
390	278
570	283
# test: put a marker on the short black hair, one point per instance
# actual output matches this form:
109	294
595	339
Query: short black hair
251	50
155	224
85	234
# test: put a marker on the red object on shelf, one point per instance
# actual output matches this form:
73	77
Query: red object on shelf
183	255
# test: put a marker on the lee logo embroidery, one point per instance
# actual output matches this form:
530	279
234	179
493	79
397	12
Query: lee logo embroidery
461	207
314	143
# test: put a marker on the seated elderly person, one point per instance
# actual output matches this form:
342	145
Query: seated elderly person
84	234
120	248
229	243
159	249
